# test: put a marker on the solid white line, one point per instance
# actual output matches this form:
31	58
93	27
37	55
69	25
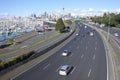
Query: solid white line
89	72
93	57
82	56
46	66
73	70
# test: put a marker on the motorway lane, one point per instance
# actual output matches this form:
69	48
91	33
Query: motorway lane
87	56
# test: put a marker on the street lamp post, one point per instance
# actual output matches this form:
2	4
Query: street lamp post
108	32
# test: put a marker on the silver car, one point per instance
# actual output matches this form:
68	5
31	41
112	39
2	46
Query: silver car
65	69
91	34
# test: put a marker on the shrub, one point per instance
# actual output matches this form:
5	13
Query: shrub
2	65
15	60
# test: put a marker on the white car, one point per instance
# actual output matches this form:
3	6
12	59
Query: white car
91	34
65	53
85	26
116	34
65	69
77	34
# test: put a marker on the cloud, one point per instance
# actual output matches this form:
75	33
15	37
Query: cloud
117	10
86	12
90	9
77	12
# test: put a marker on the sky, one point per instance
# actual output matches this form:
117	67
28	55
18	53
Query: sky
83	7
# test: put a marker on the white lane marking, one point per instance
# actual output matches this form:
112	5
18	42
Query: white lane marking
93	57
89	72
46	66
95	48
73	70
82	56
58	69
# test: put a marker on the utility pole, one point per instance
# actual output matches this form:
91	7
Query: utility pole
63	13
108	32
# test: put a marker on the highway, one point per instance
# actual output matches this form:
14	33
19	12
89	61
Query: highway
88	57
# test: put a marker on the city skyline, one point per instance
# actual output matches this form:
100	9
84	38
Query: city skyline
81	7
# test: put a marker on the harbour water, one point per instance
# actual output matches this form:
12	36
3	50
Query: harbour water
13	34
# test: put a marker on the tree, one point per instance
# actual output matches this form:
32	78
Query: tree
114	19
68	22
60	26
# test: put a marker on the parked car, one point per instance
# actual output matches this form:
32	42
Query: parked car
41	32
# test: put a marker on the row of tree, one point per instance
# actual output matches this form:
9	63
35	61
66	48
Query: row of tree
111	19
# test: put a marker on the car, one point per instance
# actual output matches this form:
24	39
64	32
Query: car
116	34
65	70
65	53
102	25
91	34
77	34
85	26
41	32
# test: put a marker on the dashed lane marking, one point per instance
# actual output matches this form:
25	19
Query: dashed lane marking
89	72
46	66
93	57
82	56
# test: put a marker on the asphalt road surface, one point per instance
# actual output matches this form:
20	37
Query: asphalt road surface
87	56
